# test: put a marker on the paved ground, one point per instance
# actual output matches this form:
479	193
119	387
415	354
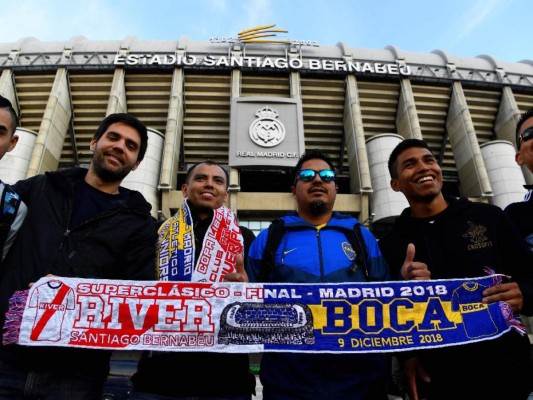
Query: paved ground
125	363
258	389
259	392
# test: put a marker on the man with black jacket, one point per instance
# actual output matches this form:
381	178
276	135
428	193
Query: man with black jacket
198	375
80	223
522	212
455	238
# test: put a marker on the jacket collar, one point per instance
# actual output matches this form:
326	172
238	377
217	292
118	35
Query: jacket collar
68	179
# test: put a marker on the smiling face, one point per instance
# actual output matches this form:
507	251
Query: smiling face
206	188
116	152
418	175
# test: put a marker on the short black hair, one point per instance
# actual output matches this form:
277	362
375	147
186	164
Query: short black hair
129	120
312	154
5	103
400	148
523	118
208	162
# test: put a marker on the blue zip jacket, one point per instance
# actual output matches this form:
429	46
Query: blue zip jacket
309	255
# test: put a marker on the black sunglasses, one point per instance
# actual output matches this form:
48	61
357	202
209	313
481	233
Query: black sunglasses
526	135
307	175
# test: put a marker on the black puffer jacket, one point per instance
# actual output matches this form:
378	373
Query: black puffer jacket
119	243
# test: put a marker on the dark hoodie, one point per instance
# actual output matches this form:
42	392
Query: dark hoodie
117	242
464	241
521	213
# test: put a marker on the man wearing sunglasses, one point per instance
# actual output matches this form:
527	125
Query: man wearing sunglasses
314	248
522	212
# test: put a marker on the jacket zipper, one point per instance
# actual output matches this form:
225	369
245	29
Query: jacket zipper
97	218
320	254
69	218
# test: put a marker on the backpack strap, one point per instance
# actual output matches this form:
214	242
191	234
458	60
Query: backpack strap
355	237
9	205
275	233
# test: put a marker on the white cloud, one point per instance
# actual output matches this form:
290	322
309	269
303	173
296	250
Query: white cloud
218	5
461	27
476	15
258	12
61	20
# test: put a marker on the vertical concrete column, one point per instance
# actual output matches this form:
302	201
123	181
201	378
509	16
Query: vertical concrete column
168	179
295	82
407	123
145	178
386	204
507	117
117	98
7	88
54	127
236	76
354	138
234	188
505	175
14	165
466	151
505	125
234	175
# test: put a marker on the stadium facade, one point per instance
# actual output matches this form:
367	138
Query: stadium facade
255	105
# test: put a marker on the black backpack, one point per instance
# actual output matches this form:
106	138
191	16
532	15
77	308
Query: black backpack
275	233
9	205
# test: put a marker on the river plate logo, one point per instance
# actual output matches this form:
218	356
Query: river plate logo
259	323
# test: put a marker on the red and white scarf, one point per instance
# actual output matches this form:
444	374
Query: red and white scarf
176	250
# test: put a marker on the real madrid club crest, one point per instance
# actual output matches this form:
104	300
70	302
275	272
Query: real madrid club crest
266	130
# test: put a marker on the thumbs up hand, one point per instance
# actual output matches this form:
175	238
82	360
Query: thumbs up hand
412	269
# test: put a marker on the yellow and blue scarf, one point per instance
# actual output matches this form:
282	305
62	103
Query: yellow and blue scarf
176	250
257	317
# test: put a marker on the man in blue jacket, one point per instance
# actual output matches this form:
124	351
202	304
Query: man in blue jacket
314	249
80	223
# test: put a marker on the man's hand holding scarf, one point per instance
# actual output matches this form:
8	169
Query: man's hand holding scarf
240	275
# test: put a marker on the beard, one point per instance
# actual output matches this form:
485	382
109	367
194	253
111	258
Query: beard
317	207
107	174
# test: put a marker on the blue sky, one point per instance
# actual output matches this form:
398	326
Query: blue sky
467	28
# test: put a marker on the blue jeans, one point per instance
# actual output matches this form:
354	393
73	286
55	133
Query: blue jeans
135	395
21	384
